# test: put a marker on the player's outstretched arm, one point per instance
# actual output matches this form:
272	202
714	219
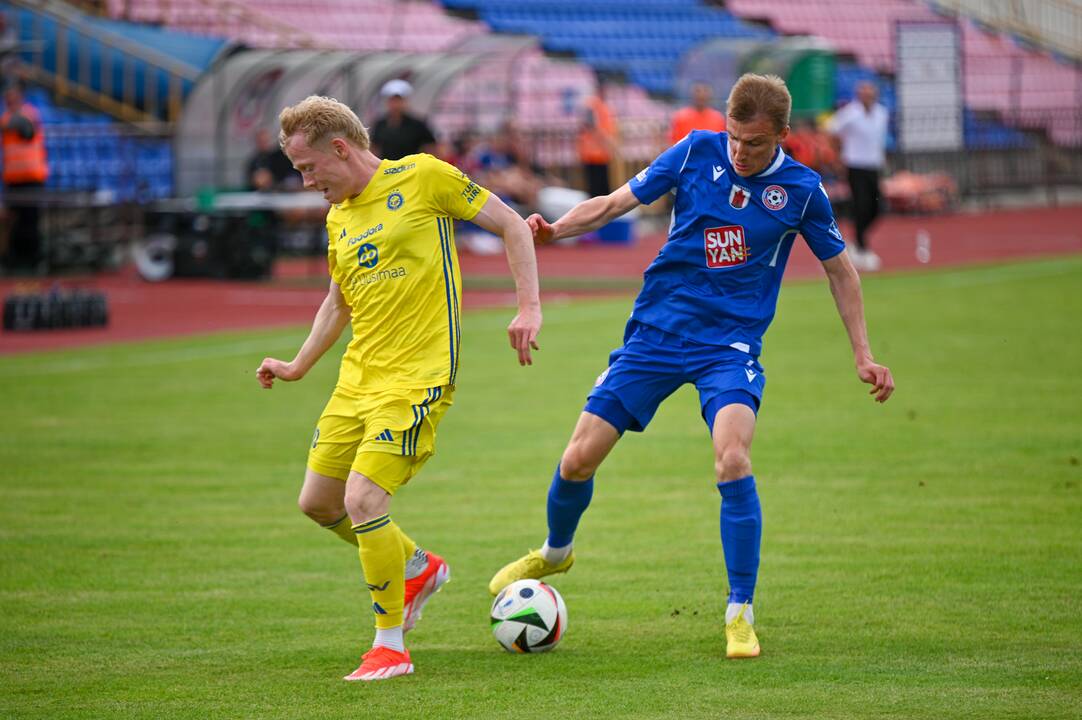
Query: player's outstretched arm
331	318
497	218
845	286
586	216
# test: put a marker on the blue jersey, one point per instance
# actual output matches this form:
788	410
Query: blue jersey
716	279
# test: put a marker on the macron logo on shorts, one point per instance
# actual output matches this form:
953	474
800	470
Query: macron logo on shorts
725	246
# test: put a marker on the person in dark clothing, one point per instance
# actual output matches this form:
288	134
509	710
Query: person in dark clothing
269	168
398	133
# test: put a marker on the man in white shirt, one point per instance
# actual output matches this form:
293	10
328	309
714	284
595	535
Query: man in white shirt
861	126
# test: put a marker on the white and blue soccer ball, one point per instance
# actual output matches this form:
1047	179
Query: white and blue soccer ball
528	616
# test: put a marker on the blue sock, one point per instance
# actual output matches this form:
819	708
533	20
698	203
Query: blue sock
566	504
741	532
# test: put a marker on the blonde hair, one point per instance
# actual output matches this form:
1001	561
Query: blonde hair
760	95
321	118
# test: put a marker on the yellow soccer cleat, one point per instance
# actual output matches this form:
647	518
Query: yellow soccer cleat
530	566
741	641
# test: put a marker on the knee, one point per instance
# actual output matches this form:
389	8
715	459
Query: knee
319	509
365	501
732	463
577	465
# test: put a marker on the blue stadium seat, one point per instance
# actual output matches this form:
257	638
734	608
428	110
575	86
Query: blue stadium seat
89	152
642	38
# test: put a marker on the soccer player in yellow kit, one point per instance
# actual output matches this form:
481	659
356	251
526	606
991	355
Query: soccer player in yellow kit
395	277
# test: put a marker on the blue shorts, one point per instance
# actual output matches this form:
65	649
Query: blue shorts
652	364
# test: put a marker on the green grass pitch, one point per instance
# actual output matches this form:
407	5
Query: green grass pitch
921	559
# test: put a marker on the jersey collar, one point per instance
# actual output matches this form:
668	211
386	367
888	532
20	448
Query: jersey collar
779	158
367	189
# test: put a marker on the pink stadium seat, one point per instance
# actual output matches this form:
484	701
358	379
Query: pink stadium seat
999	75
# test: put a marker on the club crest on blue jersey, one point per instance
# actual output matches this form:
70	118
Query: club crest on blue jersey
725	246
775	197
395	200
739	196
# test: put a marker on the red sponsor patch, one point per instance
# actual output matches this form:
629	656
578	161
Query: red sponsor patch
725	246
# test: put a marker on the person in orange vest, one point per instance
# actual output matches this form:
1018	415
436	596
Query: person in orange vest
697	116
596	144
25	170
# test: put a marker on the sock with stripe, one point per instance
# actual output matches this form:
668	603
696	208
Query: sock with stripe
343	528
741	533
567	501
381	550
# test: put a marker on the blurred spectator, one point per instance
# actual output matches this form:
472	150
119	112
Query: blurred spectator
25	171
269	168
697	116
398	133
461	151
503	165
812	146
597	145
861	126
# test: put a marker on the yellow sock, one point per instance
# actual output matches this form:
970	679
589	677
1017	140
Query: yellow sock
408	546
380	547
343	528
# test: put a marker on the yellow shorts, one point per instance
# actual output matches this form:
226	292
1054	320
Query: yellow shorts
386	436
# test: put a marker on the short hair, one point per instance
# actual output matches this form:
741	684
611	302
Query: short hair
322	118
760	95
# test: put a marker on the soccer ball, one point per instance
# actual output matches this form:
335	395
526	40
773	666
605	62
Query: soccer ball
528	616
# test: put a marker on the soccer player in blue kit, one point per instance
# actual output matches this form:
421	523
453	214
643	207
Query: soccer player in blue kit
707	299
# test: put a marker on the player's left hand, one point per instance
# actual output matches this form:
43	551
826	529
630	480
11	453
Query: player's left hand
879	377
522	332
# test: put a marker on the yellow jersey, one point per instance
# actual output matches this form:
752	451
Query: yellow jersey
391	250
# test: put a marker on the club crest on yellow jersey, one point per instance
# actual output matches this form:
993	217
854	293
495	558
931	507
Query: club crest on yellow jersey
395	200
367	255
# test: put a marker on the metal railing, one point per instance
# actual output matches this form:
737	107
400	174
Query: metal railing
1052	24
229	14
133	99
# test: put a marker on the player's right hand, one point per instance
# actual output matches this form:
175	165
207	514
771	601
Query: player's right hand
272	368
543	232
879	377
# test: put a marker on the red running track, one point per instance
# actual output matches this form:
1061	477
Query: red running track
141	310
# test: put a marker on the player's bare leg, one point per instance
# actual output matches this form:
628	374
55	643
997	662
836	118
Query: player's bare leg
322	498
